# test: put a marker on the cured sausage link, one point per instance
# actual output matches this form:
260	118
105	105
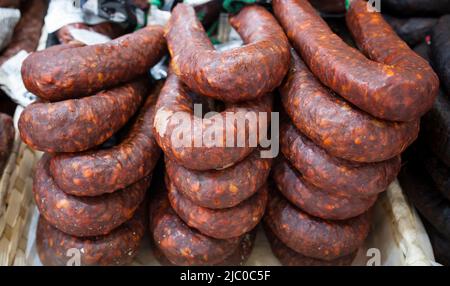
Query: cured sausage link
243	73
175	108
79	124
394	84
82	71
343	130
96	172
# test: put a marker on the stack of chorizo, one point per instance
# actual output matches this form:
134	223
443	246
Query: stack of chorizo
217	192
91	194
349	116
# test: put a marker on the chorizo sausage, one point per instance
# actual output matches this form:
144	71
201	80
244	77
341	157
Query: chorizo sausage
180	244
174	109
440	50
394	84
238	258
428	201
79	124
7	134
335	125
222	223
28	31
289	257
411	30
313	200
82	71
333	174
10	3
116	248
96	172
439	173
417	7
311	236
244	73
221	189
84	216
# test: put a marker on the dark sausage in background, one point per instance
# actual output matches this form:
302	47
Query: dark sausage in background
79	124
222	223
218	189
84	216
28	30
183	245
243	73
411	30
440	50
396	85
108	29
7	134
416	7
335	125
333	174
313	200
435	124
329	6
102	171
82	71
439	172
289	257
311	236
175	105
116	248
423	194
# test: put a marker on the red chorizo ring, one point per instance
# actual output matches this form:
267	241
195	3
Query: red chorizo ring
71	73
223	223
396	84
84	216
289	257
174	108
332	174
313	200
96	172
116	248
182	245
335	125
243	73
221	189
80	124
311	236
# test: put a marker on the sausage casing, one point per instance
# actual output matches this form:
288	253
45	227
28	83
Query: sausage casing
335	125
218	189
96	172
221	223
79	124
333	174
395	85
82	71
